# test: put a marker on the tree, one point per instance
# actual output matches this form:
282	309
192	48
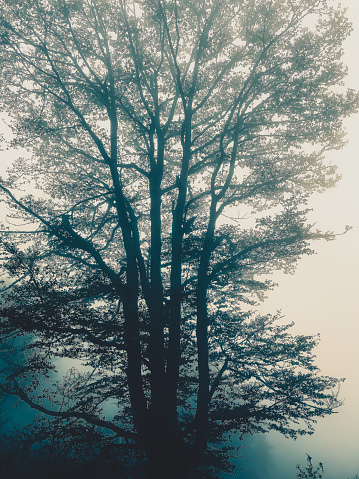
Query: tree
150	125
310	471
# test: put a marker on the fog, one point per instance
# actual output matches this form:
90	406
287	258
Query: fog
322	297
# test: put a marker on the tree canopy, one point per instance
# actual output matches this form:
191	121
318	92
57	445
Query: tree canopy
173	146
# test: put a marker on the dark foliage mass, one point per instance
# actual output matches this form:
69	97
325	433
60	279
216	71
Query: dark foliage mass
173	145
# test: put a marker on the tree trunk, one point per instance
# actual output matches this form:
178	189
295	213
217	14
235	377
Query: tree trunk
168	458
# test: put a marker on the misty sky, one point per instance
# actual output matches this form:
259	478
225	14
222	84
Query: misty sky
323	297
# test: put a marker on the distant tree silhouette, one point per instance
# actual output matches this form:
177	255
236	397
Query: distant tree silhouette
175	144
310	472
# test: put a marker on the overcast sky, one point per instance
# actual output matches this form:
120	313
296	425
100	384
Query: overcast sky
323	297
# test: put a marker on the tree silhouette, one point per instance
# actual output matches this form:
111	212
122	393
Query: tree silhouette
175	144
310	471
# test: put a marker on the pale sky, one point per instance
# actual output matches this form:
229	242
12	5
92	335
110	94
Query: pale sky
323	297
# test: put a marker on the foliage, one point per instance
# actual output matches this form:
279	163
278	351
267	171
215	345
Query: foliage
310	472
174	145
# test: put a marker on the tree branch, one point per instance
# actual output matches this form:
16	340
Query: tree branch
20	393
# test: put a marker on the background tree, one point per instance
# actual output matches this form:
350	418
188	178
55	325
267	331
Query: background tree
150	125
310	471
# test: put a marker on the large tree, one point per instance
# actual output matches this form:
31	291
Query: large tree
175	144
